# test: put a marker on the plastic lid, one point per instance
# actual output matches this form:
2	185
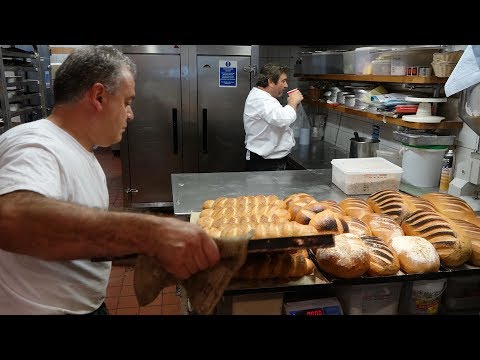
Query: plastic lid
431	147
371	165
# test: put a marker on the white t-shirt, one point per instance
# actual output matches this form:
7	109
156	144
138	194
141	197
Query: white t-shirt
267	125
41	157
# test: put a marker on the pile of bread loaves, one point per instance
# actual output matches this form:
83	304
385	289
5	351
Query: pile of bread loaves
387	232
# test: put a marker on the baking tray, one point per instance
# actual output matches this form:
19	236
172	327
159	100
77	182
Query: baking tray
261	245
367	279
422	138
464	269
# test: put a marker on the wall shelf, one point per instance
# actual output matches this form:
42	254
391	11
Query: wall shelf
389	120
376	78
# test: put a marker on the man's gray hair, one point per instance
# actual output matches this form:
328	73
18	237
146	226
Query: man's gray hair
272	72
86	66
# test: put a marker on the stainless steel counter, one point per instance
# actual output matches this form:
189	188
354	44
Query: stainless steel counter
317	155
190	190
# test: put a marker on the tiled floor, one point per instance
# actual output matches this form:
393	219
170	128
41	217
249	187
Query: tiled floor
121	299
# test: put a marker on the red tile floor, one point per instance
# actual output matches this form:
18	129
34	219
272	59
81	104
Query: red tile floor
121	299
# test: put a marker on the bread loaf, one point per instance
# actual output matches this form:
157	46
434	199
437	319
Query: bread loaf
244	201
328	222
355	207
295	207
415	203
383	259
449	205
383	226
306	209
298	197
291	228
206	222
273	265
357	226
229	212
304	216
316	206
469	235
388	202
332	205
226	231
439	233
416	254
349	258
208	204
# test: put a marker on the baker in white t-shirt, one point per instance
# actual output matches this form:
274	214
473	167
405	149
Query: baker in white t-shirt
268	136
54	200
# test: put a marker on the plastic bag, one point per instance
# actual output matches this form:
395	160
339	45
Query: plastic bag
300	122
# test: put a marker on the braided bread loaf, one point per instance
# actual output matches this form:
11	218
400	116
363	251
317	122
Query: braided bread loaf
207	222
262	231
328	222
229	212
274	265
244	201
298	197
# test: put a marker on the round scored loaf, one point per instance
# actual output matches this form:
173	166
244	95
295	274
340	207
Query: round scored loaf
348	258
416	254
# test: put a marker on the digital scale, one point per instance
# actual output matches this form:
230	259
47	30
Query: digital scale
314	307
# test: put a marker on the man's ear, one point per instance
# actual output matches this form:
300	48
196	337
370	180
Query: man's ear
97	95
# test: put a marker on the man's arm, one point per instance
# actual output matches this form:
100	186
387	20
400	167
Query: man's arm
34	225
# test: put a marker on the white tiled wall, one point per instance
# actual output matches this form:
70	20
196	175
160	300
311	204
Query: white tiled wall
340	129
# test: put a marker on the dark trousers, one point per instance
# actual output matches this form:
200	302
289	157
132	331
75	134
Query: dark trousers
102	310
258	163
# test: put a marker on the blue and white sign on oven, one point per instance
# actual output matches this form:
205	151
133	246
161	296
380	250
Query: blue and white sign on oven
227	73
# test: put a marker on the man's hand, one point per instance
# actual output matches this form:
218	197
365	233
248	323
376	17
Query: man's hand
182	248
294	98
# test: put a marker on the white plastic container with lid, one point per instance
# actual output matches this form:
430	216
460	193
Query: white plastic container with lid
355	176
381	67
349	62
363	60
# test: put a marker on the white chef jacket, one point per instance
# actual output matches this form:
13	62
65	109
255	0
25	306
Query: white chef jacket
267	125
41	157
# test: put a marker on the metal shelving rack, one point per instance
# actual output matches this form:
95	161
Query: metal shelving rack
20	95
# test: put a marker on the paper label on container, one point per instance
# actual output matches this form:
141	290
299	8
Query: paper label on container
227	73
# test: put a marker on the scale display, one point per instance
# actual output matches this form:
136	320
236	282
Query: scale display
315	307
